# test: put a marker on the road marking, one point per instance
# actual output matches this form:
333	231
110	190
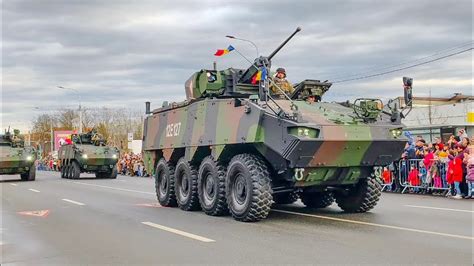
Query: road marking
116	188
40	213
34	190
74	202
376	225
152	205
436	208
179	232
13	184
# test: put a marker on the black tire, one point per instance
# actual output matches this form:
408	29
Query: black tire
211	187
285	198
66	171
164	184
75	170
363	197
186	186
100	175
248	188
317	199
63	173
112	174
30	175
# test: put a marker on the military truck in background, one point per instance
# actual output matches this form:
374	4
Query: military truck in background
15	158
233	147
88	153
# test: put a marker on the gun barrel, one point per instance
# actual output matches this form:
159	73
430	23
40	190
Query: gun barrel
284	43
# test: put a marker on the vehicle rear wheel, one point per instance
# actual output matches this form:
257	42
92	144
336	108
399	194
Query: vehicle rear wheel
211	187
67	171
363	197
75	170
63	173
30	175
164	184
248	188
186	186
285	198
317	199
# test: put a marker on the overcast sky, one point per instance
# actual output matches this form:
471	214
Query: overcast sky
123	53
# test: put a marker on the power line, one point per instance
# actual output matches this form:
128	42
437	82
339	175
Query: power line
403	68
379	68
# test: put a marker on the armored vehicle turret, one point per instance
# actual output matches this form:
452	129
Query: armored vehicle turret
88	153
232	146
15	158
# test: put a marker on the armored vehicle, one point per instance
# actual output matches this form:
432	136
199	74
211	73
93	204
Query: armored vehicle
234	147
15	158
88	153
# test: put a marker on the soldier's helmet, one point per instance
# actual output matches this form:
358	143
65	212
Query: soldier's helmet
281	70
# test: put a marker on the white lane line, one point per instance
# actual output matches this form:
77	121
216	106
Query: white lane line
376	225
74	202
437	208
116	188
179	232
34	190
13	184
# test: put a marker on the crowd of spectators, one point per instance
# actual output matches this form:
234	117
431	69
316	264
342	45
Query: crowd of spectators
439	168
48	163
131	164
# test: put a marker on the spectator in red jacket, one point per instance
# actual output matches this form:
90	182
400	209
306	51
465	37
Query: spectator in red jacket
455	173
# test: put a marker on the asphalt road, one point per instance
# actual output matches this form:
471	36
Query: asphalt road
100	221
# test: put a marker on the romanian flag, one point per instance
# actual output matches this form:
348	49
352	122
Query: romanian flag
260	75
221	52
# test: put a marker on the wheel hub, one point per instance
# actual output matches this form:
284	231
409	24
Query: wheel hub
209	190
240	189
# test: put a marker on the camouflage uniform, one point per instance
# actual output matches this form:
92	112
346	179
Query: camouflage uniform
283	84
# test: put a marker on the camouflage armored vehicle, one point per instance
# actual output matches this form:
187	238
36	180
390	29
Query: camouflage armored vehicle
234	147
88	153
15	158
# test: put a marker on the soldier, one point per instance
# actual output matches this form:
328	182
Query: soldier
282	83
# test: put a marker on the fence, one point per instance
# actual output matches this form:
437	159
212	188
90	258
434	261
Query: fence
414	176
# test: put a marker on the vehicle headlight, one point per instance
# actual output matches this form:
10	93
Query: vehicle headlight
29	158
114	156
84	156
396	132
303	132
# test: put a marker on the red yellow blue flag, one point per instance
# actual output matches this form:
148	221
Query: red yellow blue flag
222	52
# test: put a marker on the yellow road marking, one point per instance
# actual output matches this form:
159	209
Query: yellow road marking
179	232
376	225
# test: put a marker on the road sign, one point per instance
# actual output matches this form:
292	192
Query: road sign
40	213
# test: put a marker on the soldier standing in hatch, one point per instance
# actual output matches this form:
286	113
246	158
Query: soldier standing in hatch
282	83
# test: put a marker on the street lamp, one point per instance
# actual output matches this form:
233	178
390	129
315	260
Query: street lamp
245	40
79	98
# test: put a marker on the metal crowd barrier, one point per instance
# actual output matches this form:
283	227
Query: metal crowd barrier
412	174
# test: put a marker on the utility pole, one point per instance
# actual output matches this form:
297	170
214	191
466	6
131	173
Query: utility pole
430	118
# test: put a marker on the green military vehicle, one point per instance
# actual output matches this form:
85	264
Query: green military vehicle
15	158
88	153
234	147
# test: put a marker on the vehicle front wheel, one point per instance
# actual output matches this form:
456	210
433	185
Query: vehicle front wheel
361	198
30	175
164	184
248	188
